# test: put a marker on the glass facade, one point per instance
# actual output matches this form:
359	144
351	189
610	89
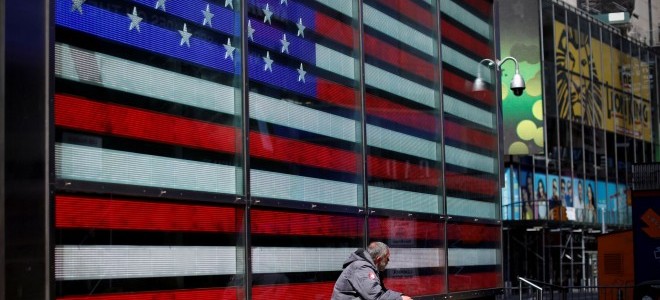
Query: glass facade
243	149
598	93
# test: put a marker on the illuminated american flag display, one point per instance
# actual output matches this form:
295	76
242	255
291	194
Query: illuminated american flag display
148	96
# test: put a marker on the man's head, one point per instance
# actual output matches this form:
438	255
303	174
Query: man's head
380	254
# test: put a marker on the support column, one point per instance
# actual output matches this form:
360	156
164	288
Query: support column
2	150
28	210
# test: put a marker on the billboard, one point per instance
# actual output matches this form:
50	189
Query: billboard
602	85
522	116
536	196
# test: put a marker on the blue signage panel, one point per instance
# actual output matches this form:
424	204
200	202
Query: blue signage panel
646	243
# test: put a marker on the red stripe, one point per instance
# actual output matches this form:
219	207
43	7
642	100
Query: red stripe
316	290
293	151
409	9
474	281
471	184
485	7
473	233
305	224
417	285
111	119
389	228
464	86
337	94
101	213
197	294
412	286
468	42
334	30
382	108
403	171
470	136
421	175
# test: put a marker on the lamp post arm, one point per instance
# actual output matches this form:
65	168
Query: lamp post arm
499	63
490	64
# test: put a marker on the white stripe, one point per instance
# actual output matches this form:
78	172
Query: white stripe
398	30
402	143
466	18
415	258
464	63
87	262
462	257
292	187
464	158
468	112
386	198
397	85
128	76
289	114
343	6
335	62
108	262
77	162
293	259
471	208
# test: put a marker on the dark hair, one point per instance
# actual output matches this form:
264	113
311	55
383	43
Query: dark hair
377	249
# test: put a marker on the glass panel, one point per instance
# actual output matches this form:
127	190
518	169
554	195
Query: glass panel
557	203
470	124
404	167
523	131
566	41
146	97
474	256
299	255
147	107
305	133
107	245
417	261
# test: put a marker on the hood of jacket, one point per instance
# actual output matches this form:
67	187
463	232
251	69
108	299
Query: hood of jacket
360	255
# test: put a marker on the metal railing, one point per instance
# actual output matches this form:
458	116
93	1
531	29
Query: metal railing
532	289
539	290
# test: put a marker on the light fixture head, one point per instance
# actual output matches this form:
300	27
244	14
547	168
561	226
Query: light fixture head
517	84
478	85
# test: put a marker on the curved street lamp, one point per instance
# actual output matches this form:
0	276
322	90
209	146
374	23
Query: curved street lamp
517	82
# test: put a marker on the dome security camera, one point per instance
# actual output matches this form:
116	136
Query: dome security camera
517	84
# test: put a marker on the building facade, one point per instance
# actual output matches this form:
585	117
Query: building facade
599	101
242	149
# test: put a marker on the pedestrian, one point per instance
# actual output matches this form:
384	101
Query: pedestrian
360	278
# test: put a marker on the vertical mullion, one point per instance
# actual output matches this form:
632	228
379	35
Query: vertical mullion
245	140
363	120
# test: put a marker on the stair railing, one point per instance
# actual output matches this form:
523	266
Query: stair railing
539	290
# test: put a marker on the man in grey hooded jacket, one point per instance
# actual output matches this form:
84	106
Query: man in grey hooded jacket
361	279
